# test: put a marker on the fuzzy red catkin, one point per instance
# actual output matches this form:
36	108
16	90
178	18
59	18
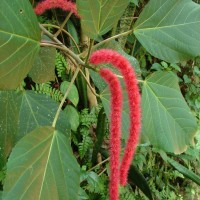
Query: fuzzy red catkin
130	79
115	129
66	5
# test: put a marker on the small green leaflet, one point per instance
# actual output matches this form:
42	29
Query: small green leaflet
73	93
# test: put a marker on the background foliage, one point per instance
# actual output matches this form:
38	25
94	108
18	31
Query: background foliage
54	126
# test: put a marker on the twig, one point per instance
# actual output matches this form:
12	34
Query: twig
66	32
89	85
106	160
64	98
64	48
112	38
102	171
89	51
62	25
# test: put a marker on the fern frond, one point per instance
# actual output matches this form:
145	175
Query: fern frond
61	66
127	194
97	184
46	88
87	119
86	143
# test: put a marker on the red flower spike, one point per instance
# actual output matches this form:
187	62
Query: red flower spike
66	5
115	129
123	65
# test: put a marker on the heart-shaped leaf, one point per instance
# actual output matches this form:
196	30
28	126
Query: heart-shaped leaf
39	110
98	17
22	113
19	41
169	29
167	120
42	166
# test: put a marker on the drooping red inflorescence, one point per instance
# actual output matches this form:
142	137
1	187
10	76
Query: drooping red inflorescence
66	5
115	129
130	79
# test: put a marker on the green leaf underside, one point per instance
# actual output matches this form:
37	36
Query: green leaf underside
43	69
167	121
22	113
19	41
42	166
169	29
39	110
98	17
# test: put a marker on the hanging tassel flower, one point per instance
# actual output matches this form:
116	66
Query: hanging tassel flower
130	79
115	129
66	5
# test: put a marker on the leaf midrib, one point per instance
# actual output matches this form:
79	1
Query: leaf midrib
158	100
154	13
162	27
46	165
19	36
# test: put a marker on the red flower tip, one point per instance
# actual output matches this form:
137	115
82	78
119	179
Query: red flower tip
66	5
123	65
115	129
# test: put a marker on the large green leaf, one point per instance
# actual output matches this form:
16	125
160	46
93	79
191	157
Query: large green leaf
43	69
169	29
98	17
167	121
9	108
19	41
42	166
39	110
21	114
